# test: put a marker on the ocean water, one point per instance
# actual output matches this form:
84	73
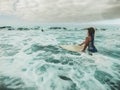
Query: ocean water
33	60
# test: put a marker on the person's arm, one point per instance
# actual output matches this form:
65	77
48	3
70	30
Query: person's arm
82	43
86	43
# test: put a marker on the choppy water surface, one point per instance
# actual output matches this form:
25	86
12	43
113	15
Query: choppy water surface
33	60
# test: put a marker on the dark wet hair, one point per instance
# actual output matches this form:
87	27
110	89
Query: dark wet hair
91	31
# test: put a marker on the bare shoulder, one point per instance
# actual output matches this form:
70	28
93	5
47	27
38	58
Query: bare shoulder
88	38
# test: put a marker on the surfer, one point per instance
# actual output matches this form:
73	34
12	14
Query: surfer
89	41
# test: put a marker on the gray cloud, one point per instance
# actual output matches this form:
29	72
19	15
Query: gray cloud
112	13
62	10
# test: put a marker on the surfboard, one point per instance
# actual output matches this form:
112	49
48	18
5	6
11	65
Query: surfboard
74	48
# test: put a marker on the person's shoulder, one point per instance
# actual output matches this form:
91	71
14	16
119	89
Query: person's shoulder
88	38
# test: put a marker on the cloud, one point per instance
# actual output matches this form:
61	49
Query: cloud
61	10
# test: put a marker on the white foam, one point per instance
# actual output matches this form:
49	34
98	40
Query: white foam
45	75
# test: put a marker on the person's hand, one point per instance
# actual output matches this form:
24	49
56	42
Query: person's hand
83	50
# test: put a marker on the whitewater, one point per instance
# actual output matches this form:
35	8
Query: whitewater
33	60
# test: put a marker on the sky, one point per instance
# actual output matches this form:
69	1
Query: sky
58	11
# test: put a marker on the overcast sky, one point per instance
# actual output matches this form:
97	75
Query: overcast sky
60	11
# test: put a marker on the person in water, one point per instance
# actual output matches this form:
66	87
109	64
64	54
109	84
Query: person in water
89	41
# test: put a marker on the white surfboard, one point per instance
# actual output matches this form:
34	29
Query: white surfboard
74	48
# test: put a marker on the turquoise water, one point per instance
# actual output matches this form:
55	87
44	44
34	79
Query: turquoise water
33	60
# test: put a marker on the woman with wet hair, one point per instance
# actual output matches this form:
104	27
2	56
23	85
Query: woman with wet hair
89	41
